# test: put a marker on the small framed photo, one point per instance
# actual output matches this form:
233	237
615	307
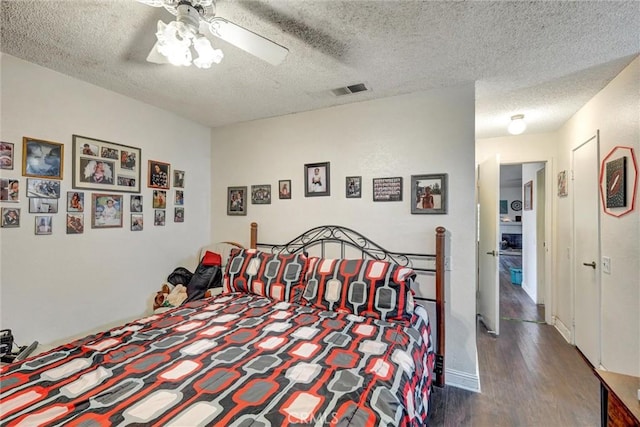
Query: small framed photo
75	223
178	215
43	188
562	184
9	190
178	179
136	203
429	194
43	224
137	223
106	210
159	173
105	166
353	187
42	159
284	189
159	199
504	207
10	217
616	179
37	205
75	201
387	189
179	201
236	200
317	179
528	196
159	217
6	155
261	194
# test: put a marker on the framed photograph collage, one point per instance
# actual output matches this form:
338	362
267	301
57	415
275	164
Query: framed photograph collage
105	169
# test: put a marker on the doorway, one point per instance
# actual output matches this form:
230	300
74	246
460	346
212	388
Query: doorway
522	242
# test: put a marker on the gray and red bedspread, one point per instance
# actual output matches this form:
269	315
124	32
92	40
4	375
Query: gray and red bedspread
232	360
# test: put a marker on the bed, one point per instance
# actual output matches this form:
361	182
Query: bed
298	336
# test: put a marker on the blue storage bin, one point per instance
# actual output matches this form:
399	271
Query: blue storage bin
516	276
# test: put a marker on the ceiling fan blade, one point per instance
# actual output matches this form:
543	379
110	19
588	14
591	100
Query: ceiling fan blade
248	41
156	57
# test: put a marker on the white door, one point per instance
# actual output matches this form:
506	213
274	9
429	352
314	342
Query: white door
586	237
489	227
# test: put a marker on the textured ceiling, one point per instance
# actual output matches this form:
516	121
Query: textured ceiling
543	59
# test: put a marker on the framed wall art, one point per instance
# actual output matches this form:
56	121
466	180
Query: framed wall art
159	199
10	217
353	187
179	200
178	215
159	173
38	205
44	224
9	190
387	189
42	159
159	217
562	184
236	200
136	203
284	189
528	196
106	210
317	179
429	193
261	194
75	223
137	223
75	201
178	178
504	207
43	188
619	181
105	166
6	155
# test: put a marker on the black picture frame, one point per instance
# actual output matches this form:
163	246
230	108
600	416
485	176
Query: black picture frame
284	189
387	189
119	165
429	193
317	179
237	200
353	187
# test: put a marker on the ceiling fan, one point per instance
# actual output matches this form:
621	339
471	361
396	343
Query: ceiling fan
177	39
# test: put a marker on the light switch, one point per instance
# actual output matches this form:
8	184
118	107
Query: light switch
606	265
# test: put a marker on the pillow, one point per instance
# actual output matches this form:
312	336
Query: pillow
372	288
277	276
211	258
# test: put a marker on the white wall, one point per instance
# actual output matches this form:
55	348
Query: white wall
615	112
420	133
59	285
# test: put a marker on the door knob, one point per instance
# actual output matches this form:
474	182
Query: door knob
494	253
590	264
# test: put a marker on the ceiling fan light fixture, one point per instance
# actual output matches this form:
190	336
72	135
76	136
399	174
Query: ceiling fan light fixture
175	40
517	125
207	55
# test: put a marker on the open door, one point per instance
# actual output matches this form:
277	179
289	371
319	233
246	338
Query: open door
488	251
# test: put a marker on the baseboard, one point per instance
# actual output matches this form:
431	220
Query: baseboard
463	380
563	329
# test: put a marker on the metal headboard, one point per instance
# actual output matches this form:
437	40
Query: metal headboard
325	235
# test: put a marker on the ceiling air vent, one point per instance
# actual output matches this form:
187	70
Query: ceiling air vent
348	90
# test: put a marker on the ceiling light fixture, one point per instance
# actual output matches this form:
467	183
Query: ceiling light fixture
176	38
517	125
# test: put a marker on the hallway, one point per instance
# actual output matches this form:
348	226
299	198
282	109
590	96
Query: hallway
530	376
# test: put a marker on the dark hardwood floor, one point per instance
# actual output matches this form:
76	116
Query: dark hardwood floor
529	375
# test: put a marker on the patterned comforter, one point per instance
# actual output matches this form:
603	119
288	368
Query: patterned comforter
232	360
